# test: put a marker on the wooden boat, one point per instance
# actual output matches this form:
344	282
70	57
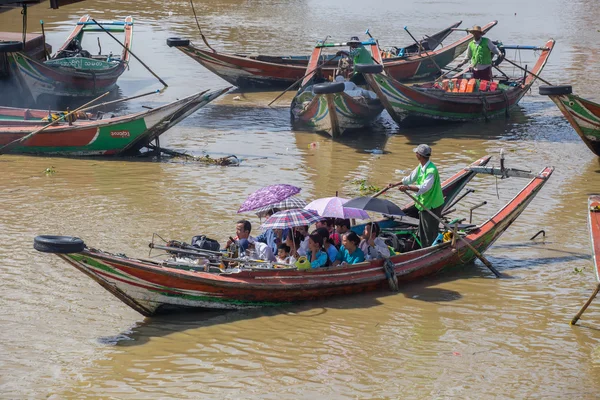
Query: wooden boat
105	136
594	227
582	114
72	71
273	72
152	286
330	107
457	99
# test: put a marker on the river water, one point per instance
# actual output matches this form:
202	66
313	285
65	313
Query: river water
462	334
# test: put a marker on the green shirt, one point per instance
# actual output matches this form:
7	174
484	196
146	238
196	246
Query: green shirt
480	53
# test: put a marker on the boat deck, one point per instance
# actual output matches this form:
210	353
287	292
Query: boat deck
34	45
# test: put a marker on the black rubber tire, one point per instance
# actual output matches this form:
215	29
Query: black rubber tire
556	90
177	42
369	68
58	244
10	46
328	88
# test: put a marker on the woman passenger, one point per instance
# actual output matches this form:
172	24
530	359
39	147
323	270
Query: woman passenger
350	253
316	256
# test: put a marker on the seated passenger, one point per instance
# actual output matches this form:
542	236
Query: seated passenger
283	254
242	231
328	245
350	253
342	226
316	256
256	250
371	244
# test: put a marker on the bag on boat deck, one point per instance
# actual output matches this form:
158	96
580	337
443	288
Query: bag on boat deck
202	242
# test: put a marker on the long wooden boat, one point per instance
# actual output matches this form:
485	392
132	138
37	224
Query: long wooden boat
150	286
458	99
328	107
273	72
74	72
582	114
120	135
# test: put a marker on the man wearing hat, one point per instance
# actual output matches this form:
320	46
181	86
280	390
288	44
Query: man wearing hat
358	53
479	53
425	181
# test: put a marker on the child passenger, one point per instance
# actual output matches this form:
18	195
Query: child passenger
283	254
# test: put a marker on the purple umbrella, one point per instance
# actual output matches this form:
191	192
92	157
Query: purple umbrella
333	207
268	195
291	218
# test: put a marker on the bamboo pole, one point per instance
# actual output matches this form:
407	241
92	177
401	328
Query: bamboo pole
585	306
130	52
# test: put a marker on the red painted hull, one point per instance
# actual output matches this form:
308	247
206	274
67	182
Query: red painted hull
253	73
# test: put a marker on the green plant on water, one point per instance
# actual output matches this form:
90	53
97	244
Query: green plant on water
578	270
49	171
364	187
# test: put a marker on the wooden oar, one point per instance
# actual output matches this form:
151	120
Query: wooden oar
529	72
422	49
46	55
585	306
300	80
9	146
130	52
477	253
386	189
126	99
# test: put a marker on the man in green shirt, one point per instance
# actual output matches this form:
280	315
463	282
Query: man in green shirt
479	53
425	181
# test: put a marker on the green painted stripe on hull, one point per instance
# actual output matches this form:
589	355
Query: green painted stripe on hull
163	290
109	139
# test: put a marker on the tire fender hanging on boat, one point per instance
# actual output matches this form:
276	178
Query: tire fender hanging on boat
58	244
177	42
555	90
369	68
328	88
11	46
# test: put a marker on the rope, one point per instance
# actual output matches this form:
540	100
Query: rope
390	274
484	109
506	112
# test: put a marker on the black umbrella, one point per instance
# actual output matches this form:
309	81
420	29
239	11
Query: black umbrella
374	204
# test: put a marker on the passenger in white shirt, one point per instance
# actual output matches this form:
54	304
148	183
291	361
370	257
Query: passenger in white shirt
257	250
371	244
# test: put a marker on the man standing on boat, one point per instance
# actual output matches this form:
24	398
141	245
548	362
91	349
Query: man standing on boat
479	53
425	181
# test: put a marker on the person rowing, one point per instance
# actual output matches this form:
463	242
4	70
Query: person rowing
425	181
479	53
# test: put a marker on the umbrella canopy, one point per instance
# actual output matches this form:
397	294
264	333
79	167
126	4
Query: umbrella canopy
287	204
268	195
375	204
290	218
334	207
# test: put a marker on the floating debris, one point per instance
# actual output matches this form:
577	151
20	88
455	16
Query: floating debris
49	171
364	187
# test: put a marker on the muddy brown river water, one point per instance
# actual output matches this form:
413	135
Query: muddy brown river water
461	334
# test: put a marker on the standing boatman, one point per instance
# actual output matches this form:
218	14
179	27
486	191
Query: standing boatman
479	53
425	181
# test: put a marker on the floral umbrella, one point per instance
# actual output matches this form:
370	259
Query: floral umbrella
268	195
333	207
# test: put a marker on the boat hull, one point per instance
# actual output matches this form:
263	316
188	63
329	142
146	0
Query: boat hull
75	77
336	113
104	137
584	117
278	73
150	286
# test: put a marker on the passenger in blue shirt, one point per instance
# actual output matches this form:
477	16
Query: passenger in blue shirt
328	245
350	253
316	256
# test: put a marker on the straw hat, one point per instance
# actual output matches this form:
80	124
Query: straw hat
475	28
